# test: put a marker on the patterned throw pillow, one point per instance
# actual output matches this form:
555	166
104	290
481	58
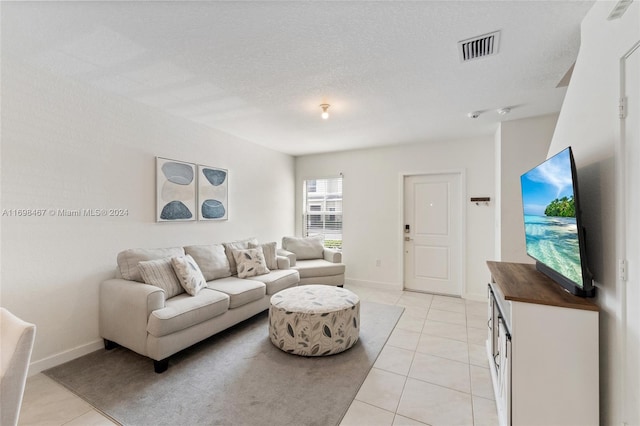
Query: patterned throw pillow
236	245
189	274
270	256
160	273
250	262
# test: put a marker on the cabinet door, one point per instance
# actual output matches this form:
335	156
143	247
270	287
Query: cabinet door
491	338
504	367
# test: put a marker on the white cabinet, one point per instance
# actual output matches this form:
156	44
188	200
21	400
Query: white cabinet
542	348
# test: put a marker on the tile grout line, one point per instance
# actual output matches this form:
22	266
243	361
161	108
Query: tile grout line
406	378
473	413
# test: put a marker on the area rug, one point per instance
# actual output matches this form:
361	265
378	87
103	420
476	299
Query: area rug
234	378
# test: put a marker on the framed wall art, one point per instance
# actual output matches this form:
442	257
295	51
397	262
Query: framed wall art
175	190
213	193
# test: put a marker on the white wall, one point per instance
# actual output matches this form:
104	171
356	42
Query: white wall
373	212
523	144
589	123
497	219
68	146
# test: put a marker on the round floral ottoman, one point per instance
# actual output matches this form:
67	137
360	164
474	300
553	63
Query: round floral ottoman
314	320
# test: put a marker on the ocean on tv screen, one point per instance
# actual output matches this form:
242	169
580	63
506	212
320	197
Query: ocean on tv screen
554	242
549	216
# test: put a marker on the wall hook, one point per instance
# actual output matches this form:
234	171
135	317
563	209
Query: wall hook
479	200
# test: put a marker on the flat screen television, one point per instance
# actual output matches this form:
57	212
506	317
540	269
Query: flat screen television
553	229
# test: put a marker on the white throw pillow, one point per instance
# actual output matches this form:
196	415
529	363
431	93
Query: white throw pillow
211	259
250	262
128	260
270	256
305	248
236	245
189	274
160	273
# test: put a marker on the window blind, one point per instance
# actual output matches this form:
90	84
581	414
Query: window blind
322	210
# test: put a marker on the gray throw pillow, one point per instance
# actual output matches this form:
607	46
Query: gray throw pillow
211	259
128	260
304	248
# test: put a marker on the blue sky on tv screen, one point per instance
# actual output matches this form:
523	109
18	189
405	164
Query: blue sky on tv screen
545	183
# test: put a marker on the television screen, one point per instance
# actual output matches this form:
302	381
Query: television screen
553	232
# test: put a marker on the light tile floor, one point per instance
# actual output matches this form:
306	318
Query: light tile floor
432	371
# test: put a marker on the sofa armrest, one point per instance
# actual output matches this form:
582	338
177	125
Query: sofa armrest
283	262
290	255
333	256
125	307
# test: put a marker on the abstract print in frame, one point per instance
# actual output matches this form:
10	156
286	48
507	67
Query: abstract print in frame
213	193
175	190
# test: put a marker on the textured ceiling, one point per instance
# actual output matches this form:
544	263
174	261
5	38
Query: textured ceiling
259	70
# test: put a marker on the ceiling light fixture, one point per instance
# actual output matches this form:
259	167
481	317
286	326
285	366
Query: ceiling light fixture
504	111
474	114
325	113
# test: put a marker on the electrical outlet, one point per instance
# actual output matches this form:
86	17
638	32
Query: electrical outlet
378	263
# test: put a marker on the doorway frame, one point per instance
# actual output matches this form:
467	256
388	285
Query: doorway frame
462	266
623	186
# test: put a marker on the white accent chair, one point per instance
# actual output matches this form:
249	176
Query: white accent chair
315	263
17	339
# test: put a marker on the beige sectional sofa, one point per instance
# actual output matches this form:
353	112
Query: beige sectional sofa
315	263
144	310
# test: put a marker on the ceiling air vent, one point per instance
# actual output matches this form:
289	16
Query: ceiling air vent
479	47
619	9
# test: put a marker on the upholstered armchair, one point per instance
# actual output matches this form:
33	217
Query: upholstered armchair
315	263
16	339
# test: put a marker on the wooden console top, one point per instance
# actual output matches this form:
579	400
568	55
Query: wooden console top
522	282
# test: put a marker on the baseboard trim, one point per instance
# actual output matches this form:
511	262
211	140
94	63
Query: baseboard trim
476	297
373	284
60	358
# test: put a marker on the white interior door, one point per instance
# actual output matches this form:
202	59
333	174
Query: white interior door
432	248
632	229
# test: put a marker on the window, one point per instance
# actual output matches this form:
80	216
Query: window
322	210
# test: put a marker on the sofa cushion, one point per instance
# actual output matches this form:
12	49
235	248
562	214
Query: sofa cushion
184	311
304	248
318	268
189	274
128	260
211	259
160	273
236	245
250	262
269	250
279	280
240	291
